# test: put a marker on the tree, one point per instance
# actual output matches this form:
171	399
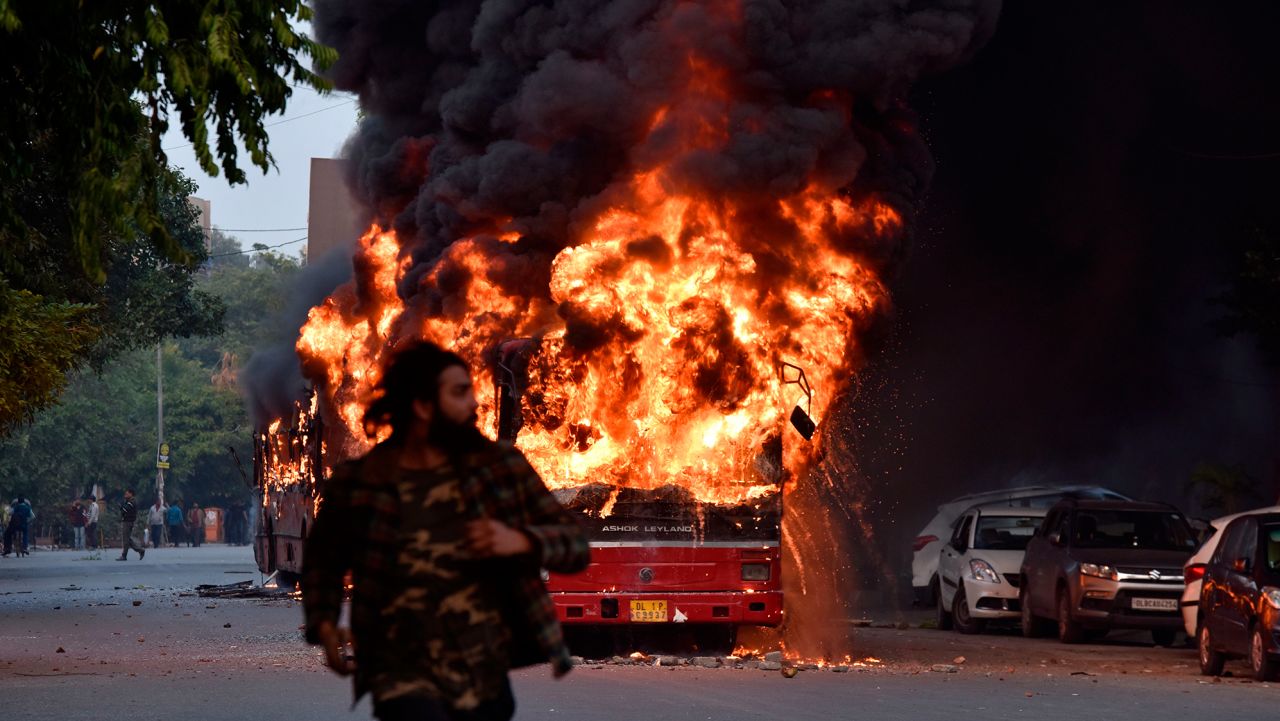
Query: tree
83	82
94	225
1228	489
103	428
69	320
1253	301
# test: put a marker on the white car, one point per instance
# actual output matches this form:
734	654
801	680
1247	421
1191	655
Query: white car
979	568
924	564
1193	571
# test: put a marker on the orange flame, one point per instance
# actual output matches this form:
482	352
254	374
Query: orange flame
706	296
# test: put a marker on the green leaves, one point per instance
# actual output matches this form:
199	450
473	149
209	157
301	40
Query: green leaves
77	73
39	340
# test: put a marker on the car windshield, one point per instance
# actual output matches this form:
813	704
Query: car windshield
1005	533
1154	530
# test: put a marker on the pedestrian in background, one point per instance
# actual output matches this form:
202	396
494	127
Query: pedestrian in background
443	532
20	516
76	517
91	522
128	517
155	519
174	517
195	525
19	521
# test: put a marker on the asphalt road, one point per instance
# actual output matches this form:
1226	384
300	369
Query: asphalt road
238	659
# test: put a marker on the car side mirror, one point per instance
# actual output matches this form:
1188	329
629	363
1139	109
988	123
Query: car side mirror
1241	565
1055	538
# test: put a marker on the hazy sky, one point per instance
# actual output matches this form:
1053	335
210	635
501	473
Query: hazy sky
314	126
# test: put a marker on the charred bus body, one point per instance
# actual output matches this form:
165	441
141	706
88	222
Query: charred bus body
288	469
659	554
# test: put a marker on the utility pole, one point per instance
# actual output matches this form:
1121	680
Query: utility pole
162	453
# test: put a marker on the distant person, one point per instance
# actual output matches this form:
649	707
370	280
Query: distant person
241	515
195	525
174	518
155	520
77	517
20	515
91	522
128	517
443	532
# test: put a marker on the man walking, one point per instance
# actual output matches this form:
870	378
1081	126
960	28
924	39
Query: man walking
174	518
155	520
91	522
443	532
76	517
128	517
195	525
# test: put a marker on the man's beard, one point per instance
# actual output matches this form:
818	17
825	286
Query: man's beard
450	435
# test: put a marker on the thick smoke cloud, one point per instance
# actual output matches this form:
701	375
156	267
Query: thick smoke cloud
272	379
521	115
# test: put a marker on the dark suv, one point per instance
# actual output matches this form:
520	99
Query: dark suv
1097	565
1240	599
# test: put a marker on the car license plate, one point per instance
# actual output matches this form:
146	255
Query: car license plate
1155	604
649	611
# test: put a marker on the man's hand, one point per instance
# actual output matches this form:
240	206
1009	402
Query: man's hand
337	642
487	538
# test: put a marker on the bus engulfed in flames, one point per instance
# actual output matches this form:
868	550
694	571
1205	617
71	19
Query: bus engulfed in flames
644	295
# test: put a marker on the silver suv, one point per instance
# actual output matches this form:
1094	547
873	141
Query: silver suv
1097	565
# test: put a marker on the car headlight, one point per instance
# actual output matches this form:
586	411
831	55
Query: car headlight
1272	594
982	571
1099	570
755	572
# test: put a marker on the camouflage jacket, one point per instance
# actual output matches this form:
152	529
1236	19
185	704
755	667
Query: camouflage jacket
357	531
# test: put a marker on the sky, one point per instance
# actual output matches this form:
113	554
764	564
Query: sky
313	126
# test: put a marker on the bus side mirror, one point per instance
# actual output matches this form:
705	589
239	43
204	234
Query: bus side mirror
1055	538
803	424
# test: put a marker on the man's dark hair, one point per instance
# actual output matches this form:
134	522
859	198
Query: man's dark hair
412	374
130	490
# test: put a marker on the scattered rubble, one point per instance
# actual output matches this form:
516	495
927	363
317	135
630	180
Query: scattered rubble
944	668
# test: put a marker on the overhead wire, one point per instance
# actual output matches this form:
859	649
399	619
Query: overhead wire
258	249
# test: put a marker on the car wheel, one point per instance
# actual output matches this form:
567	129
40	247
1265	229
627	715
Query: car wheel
1164	636
944	618
1211	662
964	621
1032	626
1265	667
1069	630
935	590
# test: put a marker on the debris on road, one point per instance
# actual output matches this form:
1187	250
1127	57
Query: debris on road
789	672
944	668
244	589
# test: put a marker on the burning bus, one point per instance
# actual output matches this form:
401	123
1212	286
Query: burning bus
661	552
636	228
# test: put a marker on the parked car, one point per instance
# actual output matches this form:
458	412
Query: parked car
925	547
1098	565
1193	572
979	566
1240	600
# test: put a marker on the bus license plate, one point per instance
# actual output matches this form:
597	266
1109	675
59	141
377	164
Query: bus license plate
1155	604
649	611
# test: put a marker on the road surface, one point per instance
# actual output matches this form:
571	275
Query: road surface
73	645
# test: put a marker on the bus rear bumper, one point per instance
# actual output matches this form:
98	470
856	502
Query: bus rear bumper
761	608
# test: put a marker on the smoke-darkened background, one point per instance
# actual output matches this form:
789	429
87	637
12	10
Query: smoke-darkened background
1101	170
